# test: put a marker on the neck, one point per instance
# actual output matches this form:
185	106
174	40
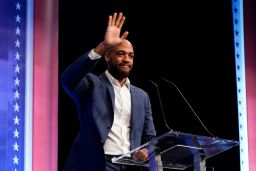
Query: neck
122	81
119	78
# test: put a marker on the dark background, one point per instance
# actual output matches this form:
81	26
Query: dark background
188	43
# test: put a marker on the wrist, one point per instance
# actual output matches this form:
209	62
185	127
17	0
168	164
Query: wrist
101	49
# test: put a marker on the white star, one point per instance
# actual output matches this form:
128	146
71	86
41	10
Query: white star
17	56
16	133
17	18
16	120
15	147
17	81
16	107
16	94
15	160
17	68
17	31
17	43
15	169
18	6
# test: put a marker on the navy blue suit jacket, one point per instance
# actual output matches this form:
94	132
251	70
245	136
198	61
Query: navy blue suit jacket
94	97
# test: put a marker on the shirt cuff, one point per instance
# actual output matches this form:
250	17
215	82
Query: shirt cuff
93	55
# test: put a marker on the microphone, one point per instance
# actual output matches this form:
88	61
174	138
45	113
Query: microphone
161	104
169	82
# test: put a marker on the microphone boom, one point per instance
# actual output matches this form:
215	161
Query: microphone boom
161	105
169	82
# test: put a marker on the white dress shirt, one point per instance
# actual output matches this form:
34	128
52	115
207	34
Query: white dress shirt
118	141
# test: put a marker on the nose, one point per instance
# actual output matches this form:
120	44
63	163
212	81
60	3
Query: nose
127	57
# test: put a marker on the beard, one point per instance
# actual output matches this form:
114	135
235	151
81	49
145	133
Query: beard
116	72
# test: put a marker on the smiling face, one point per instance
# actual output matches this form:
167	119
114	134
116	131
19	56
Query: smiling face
120	60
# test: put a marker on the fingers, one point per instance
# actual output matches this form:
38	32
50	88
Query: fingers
125	34
121	22
115	20
109	20
141	155
119	18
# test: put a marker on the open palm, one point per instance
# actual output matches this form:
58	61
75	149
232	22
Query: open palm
112	35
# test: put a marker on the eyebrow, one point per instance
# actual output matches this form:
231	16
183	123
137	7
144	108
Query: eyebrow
123	51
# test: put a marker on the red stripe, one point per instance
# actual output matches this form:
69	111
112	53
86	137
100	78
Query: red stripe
45	95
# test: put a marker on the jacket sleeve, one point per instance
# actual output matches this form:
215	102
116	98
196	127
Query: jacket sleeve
73	78
149	131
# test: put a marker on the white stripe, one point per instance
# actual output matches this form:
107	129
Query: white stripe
241	97
29	87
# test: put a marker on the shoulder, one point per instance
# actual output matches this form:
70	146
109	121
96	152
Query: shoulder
138	90
97	80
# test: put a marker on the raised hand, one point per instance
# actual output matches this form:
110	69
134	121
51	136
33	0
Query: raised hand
112	35
115	23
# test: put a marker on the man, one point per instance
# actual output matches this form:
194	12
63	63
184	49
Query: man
115	116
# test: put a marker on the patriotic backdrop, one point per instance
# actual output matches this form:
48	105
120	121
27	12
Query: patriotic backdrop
28	85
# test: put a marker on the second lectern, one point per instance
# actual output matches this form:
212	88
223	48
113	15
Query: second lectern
177	150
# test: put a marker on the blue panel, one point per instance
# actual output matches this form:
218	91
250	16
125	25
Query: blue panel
238	23
12	83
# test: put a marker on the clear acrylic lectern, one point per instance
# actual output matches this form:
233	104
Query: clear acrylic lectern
177	150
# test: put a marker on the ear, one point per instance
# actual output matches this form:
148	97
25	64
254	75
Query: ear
107	57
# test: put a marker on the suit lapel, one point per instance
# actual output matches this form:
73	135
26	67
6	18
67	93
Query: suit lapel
105	79
134	103
136	121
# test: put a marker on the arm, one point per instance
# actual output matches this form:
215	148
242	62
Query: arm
149	132
84	64
73	75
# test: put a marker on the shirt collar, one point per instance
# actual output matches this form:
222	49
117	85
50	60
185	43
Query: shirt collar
115	81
